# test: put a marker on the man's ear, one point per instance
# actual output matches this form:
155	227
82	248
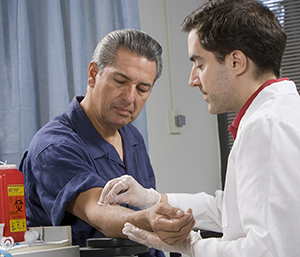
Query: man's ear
239	62
92	73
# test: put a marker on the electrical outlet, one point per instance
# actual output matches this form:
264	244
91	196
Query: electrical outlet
172	118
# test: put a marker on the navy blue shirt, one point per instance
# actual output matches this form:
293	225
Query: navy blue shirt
68	156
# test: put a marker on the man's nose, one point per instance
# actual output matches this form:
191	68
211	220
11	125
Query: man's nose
194	80
129	93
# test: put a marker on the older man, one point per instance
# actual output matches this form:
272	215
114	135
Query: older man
71	158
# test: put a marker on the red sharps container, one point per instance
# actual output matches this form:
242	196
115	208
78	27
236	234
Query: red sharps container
12	202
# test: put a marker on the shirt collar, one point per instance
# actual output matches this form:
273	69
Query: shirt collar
97	146
235	124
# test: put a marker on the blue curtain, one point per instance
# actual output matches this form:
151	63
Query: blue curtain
45	49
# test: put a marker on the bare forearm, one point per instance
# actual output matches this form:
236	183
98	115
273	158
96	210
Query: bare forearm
109	220
114	217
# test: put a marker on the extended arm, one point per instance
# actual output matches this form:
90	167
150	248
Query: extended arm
110	220
171	224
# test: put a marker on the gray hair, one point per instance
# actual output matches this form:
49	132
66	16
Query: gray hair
134	41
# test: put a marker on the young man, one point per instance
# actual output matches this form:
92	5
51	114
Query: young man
236	48
72	157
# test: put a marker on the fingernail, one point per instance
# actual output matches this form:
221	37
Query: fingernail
124	231
179	213
103	204
127	225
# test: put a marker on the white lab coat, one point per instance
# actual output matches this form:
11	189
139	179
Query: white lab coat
259	211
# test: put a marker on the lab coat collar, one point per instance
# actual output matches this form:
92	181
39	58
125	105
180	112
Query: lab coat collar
235	124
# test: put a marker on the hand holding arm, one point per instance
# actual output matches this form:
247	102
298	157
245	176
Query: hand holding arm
127	190
171	224
151	239
110	220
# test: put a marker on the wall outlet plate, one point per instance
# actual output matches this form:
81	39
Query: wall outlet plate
173	129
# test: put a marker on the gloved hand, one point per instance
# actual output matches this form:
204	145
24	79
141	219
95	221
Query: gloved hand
150	239
127	190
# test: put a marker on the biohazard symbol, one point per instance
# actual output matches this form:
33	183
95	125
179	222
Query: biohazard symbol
19	204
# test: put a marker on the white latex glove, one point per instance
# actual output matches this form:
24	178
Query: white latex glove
150	239
127	190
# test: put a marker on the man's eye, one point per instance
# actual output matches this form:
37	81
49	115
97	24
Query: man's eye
120	81
144	89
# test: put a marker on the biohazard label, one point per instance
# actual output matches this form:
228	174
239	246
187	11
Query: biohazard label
16	207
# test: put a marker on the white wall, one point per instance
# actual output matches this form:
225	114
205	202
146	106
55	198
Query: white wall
188	162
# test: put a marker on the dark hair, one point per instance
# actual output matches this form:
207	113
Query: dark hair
246	25
134	41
